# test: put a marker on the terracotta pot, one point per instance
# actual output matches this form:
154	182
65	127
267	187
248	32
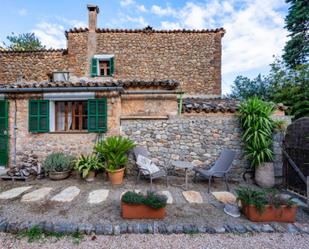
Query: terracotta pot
90	177
54	175
265	175
271	213
130	211
116	177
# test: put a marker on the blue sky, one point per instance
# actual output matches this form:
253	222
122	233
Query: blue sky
255	28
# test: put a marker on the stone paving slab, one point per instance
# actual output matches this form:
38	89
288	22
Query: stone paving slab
14	192
36	195
192	196
67	195
98	196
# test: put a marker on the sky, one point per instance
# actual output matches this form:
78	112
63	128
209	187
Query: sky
254	28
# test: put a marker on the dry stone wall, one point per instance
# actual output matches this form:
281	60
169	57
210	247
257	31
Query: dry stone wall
33	66
197	139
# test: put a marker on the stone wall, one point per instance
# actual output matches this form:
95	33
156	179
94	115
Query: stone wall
193	139
196	139
33	66
194	59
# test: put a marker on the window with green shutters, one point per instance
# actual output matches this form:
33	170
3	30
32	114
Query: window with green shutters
102	67
38	115
97	115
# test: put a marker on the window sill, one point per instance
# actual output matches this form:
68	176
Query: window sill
70	132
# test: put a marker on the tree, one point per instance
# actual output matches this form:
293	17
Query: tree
296	50
245	88
290	87
23	42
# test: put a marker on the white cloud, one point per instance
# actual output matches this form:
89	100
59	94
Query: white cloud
141	8
125	3
22	12
139	20
170	25
160	11
50	34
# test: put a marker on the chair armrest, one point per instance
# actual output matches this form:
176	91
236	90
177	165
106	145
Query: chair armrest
218	171
143	170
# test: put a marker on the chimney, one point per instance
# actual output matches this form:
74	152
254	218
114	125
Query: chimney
93	12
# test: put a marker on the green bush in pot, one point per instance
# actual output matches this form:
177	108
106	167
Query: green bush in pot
257	124
58	165
113	150
87	165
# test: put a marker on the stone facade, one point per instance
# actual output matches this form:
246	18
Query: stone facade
197	139
42	144
31	66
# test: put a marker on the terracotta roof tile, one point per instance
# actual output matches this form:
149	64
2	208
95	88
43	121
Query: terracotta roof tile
169	84
145	30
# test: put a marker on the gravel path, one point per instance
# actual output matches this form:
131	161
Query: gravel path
258	241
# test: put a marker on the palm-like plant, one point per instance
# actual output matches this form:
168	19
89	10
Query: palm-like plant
257	125
85	164
113	150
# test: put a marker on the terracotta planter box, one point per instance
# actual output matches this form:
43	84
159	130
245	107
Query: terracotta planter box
281	214
130	211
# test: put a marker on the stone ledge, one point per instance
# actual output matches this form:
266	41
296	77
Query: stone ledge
144	117
153	227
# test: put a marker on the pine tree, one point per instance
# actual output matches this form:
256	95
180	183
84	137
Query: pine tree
296	50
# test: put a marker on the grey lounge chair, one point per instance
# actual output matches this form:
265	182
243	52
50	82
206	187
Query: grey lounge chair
162	172
219	169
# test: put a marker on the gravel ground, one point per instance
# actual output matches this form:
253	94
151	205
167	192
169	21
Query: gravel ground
258	241
79	211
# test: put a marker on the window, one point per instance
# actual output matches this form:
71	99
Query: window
71	115
68	116
102	65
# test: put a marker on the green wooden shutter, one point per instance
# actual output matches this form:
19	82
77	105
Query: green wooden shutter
112	66
97	115
94	67
38	115
4	132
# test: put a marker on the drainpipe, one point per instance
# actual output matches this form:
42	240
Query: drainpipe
15	135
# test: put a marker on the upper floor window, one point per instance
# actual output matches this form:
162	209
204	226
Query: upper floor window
102	65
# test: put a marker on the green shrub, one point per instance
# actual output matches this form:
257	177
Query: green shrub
113	151
152	199
259	199
58	162
85	164
257	125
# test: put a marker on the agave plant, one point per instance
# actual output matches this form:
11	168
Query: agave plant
85	164
257	125
113	150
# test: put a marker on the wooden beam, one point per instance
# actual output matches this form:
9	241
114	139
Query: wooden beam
73	115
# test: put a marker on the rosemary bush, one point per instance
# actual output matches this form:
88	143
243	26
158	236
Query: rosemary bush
152	199
58	162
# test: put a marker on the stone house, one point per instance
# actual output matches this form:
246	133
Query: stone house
118	81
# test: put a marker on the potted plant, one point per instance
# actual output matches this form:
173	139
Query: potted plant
138	206
87	166
263	207
58	165
257	125
113	150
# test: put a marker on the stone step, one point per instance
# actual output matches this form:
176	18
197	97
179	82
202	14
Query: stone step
36	195
192	196
98	196
67	195
168	195
14	192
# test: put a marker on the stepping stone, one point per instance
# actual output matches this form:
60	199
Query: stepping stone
36	195
168	195
135	190
14	192
225	197
192	196
67	195
97	196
